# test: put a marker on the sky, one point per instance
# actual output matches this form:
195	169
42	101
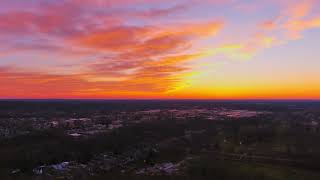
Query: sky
160	49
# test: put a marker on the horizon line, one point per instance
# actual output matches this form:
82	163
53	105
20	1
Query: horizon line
158	99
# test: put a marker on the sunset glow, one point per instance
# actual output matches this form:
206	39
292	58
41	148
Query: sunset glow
160	49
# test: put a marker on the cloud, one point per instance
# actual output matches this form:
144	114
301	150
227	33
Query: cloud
121	57
296	27
133	46
144	54
294	19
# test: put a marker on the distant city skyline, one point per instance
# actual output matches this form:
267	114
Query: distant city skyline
160	49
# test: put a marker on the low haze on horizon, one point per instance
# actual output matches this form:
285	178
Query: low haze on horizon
160	49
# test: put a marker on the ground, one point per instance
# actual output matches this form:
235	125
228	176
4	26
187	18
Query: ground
159	140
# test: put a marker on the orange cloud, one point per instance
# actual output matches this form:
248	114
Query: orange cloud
15	83
121	57
133	47
293	20
151	57
296	27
